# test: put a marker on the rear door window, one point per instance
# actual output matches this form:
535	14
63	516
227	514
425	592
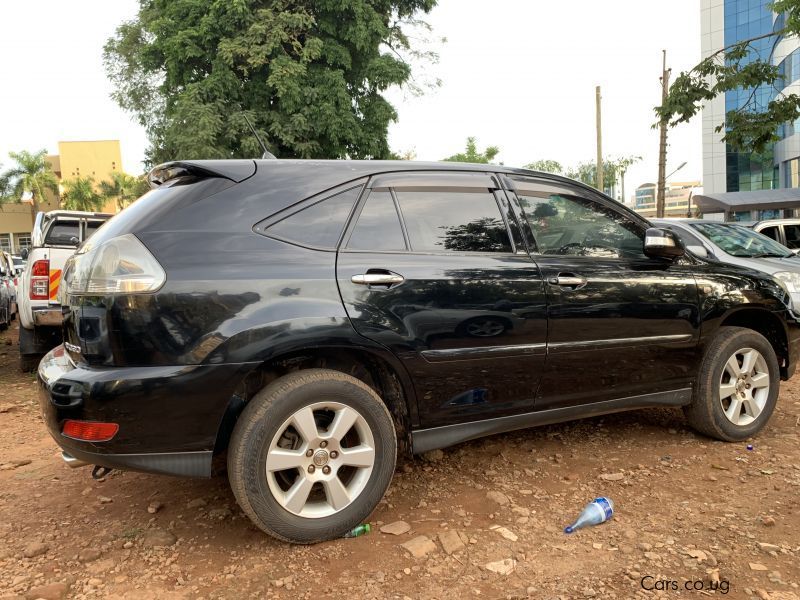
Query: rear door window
453	221
378	226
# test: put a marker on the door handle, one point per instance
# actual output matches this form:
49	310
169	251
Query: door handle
386	278
567	281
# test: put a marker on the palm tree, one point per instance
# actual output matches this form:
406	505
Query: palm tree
79	194
6	188
32	175
123	188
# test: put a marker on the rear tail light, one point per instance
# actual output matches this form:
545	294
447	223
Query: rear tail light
122	265
89	431
40	280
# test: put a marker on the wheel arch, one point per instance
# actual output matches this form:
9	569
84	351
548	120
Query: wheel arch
385	376
767	324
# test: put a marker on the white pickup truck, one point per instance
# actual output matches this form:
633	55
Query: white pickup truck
55	236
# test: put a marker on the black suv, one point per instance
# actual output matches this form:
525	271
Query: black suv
313	318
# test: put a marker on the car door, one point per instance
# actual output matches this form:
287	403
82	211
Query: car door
432	267
620	324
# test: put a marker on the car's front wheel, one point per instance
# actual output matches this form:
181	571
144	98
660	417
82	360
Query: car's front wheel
737	386
312	455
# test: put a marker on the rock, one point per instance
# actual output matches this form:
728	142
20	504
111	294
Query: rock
20	463
105	500
502	567
51	591
498	497
155	538
196	503
4	408
769	547
653	556
630	534
612	476
451	541
220	513
505	532
768	521
597	546
154	507
420	546
89	554
645	546
757	567
35	549
396	528
433	456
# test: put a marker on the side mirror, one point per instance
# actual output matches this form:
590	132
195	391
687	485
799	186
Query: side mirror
663	243
698	251
24	253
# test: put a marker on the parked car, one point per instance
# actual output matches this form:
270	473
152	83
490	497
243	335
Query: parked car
13	279
7	293
54	238
783	231
281	310
738	245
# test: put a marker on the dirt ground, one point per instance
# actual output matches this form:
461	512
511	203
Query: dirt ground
718	518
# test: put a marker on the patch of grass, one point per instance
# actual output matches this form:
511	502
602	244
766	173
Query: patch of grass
131	533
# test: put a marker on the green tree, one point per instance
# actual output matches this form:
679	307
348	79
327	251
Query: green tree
32	175
80	194
309	75
753	126
613	172
546	166
123	188
6	188
471	154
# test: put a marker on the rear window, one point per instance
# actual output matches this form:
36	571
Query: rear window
63	233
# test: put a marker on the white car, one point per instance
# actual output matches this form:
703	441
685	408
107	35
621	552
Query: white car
55	236
738	245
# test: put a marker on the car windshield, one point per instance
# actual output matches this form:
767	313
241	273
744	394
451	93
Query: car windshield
737	240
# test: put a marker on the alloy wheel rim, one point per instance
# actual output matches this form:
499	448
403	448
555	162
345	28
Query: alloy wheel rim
485	328
744	386
320	460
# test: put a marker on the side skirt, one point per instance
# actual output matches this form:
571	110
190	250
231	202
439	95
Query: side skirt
424	440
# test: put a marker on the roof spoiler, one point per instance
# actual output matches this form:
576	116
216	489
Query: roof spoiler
234	170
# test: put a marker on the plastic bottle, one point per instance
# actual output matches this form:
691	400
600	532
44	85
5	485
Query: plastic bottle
362	529
596	512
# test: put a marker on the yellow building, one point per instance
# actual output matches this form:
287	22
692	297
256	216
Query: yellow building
94	158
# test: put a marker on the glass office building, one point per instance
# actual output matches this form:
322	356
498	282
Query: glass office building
726	22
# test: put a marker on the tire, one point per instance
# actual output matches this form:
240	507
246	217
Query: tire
756	393
280	413
27	361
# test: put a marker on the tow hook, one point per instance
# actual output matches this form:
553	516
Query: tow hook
99	472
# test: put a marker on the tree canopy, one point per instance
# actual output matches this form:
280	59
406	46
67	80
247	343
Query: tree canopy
754	125
80	194
613	170
123	188
31	174
309	75
471	154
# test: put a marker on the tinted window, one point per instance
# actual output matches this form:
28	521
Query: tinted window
456	221
770	232
64	233
378	226
319	225
792	233
564	223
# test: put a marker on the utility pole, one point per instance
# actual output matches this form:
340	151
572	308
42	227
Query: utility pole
599	142
662	143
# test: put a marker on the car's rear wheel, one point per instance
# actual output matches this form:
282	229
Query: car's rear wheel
312	455
737	386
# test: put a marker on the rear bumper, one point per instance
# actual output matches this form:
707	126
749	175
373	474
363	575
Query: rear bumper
47	316
168	417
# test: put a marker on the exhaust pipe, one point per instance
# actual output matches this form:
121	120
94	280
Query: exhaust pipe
73	462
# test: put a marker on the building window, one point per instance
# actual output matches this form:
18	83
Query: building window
792	173
5	242
23	241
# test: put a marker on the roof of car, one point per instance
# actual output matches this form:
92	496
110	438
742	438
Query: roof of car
75	213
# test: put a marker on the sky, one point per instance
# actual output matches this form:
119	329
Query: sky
518	74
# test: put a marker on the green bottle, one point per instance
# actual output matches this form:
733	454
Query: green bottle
357	531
